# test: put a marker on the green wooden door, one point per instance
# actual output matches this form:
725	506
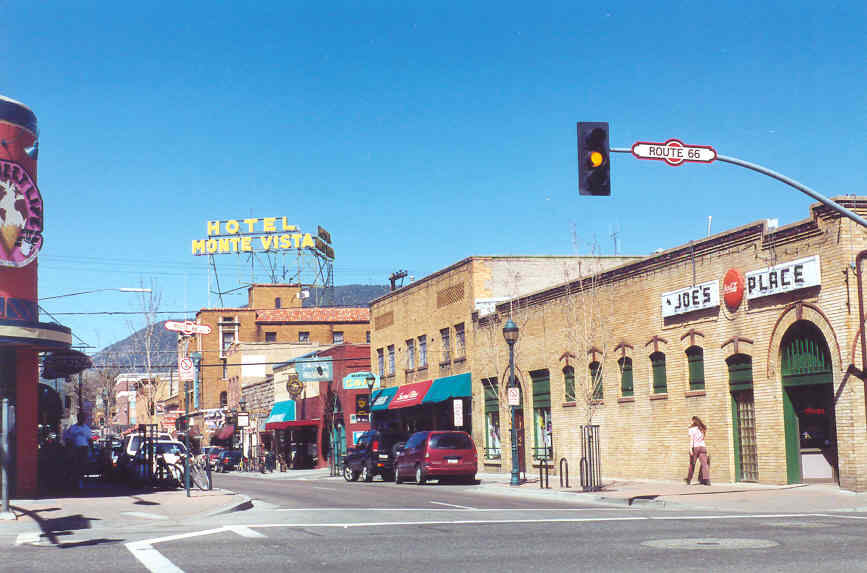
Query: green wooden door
793	440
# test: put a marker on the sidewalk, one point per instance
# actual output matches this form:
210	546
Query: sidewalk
106	506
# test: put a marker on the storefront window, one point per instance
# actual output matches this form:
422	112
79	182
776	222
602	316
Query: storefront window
493	450
695	358
625	364
660	384
569	383
595	374
542	434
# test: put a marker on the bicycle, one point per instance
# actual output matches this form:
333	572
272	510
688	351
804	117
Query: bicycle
174	466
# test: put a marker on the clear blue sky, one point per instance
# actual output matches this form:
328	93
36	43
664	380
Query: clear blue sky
416	135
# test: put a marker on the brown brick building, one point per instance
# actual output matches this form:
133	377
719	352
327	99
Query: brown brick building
754	330
273	314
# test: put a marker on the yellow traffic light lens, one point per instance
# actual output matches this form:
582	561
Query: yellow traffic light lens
596	158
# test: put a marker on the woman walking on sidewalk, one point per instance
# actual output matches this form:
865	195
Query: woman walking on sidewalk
698	450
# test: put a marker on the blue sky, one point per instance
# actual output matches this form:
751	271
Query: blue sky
416	135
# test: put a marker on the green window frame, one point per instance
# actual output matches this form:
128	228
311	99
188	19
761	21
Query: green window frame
695	360
595	372
541	414
626	387
569	383
660	382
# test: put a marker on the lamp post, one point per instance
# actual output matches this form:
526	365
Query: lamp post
510	333
371	380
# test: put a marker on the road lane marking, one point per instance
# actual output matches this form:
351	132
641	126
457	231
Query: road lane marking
320	509
244	531
153	560
452	505
29	538
325	488
143	514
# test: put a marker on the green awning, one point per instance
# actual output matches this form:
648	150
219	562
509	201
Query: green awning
382	398
458	386
282	412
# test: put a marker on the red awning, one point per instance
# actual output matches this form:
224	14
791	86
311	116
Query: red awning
291	424
410	395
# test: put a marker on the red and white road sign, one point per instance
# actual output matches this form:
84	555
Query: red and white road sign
514	396
186	369
187	327
674	152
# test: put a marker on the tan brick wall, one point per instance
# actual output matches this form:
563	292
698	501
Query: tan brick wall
646	436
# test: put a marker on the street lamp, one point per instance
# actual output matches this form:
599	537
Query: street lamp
371	380
120	289
510	333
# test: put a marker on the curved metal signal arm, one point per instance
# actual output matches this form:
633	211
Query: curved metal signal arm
779	177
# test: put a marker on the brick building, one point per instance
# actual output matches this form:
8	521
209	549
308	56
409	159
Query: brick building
754	330
273	313
421	345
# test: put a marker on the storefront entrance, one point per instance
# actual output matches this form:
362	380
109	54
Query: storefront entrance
808	406
740	367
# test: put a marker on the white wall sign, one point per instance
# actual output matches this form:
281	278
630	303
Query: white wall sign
689	299
459	412
785	277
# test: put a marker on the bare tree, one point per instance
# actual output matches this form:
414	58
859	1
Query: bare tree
145	347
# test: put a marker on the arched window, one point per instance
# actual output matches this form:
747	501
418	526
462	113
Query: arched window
695	359
625	364
595	371
569	383
660	383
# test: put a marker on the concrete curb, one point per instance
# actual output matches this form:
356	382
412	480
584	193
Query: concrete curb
243	505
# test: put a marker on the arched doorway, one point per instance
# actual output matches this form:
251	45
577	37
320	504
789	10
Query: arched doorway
808	405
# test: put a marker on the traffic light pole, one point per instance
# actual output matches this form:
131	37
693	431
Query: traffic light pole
780	177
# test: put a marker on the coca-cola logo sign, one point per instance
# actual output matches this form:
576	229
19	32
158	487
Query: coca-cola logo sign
733	289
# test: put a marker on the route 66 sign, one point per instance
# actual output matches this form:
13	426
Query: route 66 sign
294	386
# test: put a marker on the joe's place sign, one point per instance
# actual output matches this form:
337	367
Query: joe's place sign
698	297
785	277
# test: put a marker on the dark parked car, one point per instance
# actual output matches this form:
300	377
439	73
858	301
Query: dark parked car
228	460
372	455
438	455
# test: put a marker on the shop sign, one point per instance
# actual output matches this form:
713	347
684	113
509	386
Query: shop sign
243	419
362	404
459	412
20	216
314	369
358	381
785	277
294	386
733	289
689	299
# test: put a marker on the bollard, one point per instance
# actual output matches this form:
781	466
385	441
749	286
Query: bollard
543	471
564	472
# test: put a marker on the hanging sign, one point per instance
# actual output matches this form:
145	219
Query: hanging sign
20	216
689	299
458	405
674	152
186	369
785	277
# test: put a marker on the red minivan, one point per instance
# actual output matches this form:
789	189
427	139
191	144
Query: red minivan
437	455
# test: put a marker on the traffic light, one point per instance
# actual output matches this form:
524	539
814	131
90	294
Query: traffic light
594	166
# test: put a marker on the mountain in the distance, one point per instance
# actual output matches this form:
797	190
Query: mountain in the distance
128	355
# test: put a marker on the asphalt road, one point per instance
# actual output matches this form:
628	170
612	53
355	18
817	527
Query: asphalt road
327	524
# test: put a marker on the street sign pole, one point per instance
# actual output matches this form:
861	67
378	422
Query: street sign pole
779	177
